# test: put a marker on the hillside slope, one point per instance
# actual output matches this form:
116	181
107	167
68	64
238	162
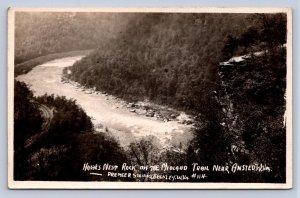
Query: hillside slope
167	58
42	33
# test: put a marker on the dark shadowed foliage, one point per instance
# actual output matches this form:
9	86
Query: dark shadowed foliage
55	147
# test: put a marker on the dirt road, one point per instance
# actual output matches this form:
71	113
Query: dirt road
47	115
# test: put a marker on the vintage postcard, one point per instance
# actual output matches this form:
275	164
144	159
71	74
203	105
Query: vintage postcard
150	98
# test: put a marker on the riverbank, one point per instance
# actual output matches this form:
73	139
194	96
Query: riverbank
25	67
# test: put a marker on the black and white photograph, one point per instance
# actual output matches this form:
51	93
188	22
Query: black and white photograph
150	98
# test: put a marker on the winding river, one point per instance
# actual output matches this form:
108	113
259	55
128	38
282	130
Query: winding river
106	111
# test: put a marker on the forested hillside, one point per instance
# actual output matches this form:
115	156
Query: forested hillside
42	33
53	137
244	120
167	58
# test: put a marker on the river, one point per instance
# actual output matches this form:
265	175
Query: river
106	111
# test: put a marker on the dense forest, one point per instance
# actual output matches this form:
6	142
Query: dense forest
167	58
